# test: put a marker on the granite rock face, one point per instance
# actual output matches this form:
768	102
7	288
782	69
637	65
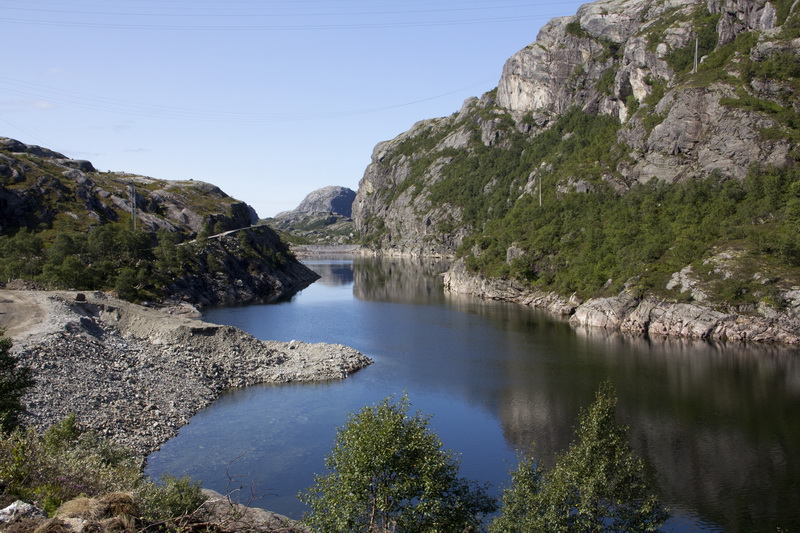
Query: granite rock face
332	199
322	218
615	58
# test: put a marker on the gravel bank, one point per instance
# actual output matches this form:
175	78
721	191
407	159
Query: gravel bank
137	374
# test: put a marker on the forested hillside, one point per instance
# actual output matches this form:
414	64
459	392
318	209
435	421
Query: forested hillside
63	224
606	161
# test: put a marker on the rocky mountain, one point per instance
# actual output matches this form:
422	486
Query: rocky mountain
42	188
333	200
632	141
323	217
64	224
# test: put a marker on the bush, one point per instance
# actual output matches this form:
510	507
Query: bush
171	503
14	383
388	472
63	464
598	484
79	468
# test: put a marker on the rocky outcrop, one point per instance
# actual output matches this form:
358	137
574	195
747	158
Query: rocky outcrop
322	218
650	316
332	199
137	374
39	186
630	60
250	265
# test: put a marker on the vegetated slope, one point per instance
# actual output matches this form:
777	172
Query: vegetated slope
323	217
604	162
63	224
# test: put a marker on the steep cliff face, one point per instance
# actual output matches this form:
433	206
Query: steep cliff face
612	54
630	60
633	142
394	209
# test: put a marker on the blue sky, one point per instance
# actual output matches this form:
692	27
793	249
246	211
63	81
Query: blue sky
269	100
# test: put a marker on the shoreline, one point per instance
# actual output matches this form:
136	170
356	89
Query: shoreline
137	374
640	316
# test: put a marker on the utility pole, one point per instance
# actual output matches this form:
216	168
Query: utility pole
540	191
133	206
696	48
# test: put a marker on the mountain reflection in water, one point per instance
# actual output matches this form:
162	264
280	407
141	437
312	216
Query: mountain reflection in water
718	423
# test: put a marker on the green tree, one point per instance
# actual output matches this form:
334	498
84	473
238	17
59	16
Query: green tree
388	472
126	284
63	246
521	503
70	273
14	382
598	484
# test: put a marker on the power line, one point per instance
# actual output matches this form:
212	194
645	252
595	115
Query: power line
274	27
227	13
25	89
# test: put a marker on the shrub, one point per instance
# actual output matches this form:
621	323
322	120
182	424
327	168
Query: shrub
63	464
170	503
14	383
388	472
598	484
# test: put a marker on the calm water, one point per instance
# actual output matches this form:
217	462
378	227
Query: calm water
719	424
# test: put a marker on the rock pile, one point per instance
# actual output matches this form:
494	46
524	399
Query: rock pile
136	374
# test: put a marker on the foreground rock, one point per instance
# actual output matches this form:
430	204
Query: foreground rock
136	374
116	511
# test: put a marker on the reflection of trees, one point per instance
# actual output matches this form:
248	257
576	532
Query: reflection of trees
718	422
333	272
399	279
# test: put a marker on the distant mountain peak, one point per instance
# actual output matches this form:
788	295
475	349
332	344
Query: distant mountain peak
332	199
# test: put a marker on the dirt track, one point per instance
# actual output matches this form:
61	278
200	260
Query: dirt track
23	314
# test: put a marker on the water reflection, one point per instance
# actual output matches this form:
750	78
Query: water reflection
400	280
717	422
333	272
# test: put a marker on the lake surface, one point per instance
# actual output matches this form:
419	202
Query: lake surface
718	423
